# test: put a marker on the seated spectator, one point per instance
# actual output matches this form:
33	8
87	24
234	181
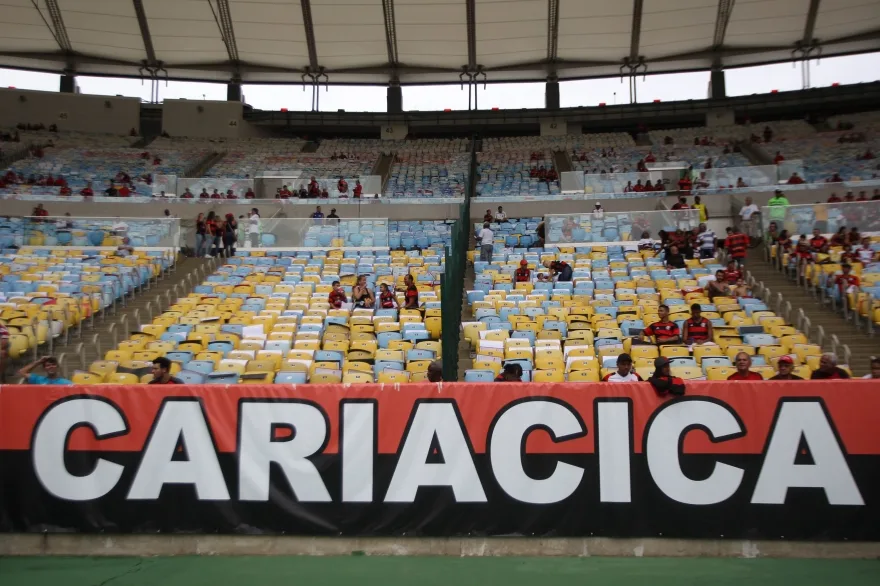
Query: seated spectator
511	373
124	191
50	367
522	274
162	373
697	329
659	186
865	253
875	368
863	196
849	197
795	179
784	368
778	158
740	183
187	194
230	194
718	287
204	194
284	193
111	190
500	216
743	363
216	195
387	300
250	194
487	217
342	186
674	259
361	295
646	243
650	158
324	193
337	295
834	179
828	369
740	290
314	188
552	175
867	156
639	188
685	185
624	372
662	380
649	186
846	282
628	188
435	371
358	188
839	238
663	331
834	199
817	242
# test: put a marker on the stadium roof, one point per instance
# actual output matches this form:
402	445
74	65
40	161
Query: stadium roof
423	41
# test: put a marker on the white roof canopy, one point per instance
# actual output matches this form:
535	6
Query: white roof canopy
423	41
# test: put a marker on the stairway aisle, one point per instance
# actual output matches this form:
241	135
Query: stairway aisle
96	342
862	346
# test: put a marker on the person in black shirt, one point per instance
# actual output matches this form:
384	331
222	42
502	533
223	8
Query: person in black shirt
111	190
674	259
333	214
162	373
561	268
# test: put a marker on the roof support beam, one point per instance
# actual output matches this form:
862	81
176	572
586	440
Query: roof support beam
60	31
390	32
636	30
145	31
811	22
310	33
223	17
725	9
552	30
471	33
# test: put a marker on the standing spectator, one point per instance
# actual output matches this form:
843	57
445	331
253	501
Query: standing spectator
162	373
254	228
540	232
701	207
697	329
828	368
681	204
50	367
732	274
230	235
317	214
250	193
706	242
663	331
560	268
337	296
743	363
778	158
342	186
87	190
333	215
598	212
784	368
201	236
747	211
795	179
411	300
624	372
358	188
212	235
487	243
500	216
39	213
737	244
777	205
314	188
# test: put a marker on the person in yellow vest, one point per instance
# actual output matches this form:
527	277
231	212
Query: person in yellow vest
699	205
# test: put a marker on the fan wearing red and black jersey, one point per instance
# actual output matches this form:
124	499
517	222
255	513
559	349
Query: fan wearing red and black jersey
663	331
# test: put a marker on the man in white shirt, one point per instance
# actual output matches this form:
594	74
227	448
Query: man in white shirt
747	210
624	372
254	228
500	216
487	243
120	227
598	212
865	253
706	241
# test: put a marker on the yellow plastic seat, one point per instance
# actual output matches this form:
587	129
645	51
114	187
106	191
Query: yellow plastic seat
549	376
584	376
356	377
125	378
86	378
719	372
394	376
325	378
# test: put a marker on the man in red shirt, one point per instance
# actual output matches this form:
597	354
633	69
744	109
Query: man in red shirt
817	242
834	198
681	204
342	186
230	194
124	191
743	363
337	296
778	158
846	279
204	194
250	194
40	212
795	179
87	190
684	185
732	274
65	190
523	274
358	188
216	195
187	194
737	244
828	369
412	293
664	331
698	329
284	193
60	181
638	188
162	373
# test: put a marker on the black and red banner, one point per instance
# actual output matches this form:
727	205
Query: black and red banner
793	460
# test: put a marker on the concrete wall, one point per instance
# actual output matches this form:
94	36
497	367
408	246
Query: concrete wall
203	118
98	114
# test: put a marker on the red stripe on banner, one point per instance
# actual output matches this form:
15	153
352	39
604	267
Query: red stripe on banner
852	408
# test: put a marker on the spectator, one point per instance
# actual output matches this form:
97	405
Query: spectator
818	241
487	242
250	193
317	214
230	194
646	243
411	297
624	372
697	329
828	368
701	207
386	297
500	216
435	372
674	259
628	188
663	331
740	290
748	210
846	282
314	188
342	186
488	217
863	196
230	235
718	287
216	195
639	188
598	212
111	190
522	274
795	179
213	233
187	194
849	197
324	193
836	178
732	274
663	381
705	242
39	213
361	295
865	253
284	193
681	204
784	368
740	184
834	199
875	368
512	373
204	194
737	244
201	236
778	158
254	228
333	215
743	363
853	237
778	200
337	295
358	188
162	373
839	238
540	232
50	367
560	268
87	190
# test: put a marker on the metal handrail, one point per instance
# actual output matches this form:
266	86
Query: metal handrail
820	336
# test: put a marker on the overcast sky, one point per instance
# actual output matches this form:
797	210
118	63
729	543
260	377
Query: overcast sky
744	81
